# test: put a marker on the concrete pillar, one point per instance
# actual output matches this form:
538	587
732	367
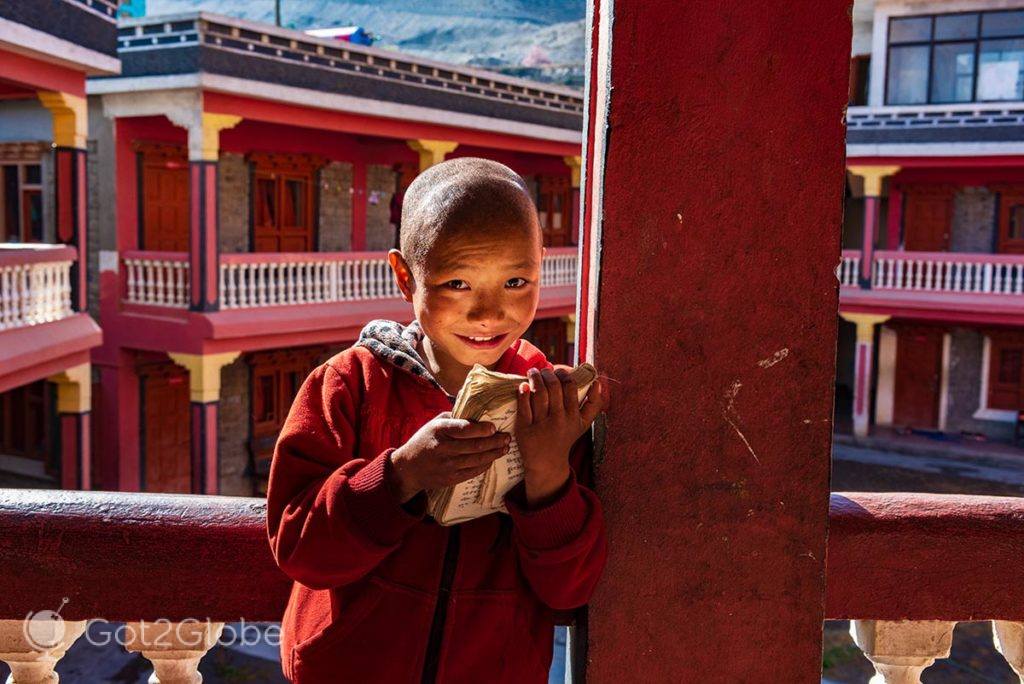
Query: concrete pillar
74	405
574	163
204	395
863	363
713	461
70	194
873	176
431	151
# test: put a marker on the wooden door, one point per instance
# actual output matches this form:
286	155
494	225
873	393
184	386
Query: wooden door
918	376
927	218
166	429
554	204
165	194
1011	221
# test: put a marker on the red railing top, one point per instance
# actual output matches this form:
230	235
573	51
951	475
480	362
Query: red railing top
15	255
130	556
925	557
146	255
851	253
963	257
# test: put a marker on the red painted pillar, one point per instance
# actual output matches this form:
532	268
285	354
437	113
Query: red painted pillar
358	206
70	203
723	203
75	456
203	245
873	176
204	454
74	402
863	365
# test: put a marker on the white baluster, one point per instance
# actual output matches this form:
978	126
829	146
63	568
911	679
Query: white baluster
1018	274
5	297
32	649
1009	640
222	283
986	282
901	651
261	285
174	649
900	285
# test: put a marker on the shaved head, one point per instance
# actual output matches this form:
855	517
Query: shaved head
461	197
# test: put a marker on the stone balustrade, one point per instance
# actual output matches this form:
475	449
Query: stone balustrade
35	284
849	267
903	568
251	280
1001	274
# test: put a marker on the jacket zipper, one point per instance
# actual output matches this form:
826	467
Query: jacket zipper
451	559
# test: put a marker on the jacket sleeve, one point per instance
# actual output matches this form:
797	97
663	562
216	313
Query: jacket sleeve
561	546
331	517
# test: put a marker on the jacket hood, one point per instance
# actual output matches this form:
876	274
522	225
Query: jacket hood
396	344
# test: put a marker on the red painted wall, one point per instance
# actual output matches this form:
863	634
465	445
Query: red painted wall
714	313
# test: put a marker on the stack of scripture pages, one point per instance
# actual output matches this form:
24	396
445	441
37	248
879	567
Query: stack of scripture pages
490	396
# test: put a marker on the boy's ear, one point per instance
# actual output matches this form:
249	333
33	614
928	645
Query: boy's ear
403	274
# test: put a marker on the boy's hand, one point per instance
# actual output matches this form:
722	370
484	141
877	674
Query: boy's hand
548	423
444	452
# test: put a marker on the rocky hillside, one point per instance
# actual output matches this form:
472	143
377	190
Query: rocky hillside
541	39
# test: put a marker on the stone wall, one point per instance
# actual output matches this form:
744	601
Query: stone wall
964	393
380	184
233	429
335	207
233	199
974	210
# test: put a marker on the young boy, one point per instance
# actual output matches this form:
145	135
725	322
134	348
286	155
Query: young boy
382	593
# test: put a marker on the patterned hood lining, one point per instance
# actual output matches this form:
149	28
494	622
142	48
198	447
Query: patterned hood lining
396	344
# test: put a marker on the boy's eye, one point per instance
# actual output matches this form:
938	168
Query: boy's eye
457	285
516	282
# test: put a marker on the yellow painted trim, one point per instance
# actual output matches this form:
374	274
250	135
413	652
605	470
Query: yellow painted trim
570	328
203	373
70	117
431	151
865	324
873	176
74	389
209	143
575	163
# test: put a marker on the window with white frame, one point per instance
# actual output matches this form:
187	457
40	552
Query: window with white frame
962	57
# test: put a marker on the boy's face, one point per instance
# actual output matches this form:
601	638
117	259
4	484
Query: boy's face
476	292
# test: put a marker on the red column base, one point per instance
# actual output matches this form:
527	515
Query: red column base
75	456
205	470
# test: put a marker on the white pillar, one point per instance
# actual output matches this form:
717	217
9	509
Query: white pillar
901	651
174	648
32	648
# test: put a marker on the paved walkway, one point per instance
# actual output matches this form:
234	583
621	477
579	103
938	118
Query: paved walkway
989	461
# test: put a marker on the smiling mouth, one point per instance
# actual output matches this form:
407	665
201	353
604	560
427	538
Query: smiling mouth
482	341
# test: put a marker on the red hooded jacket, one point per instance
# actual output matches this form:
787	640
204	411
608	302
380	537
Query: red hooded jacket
383	593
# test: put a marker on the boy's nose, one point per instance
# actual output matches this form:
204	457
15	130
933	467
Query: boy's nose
486	309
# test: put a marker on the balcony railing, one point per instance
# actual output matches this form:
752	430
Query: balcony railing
156	278
949	272
904	568
35	284
940	272
849	267
281	278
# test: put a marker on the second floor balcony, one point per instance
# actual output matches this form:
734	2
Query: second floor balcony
271	294
982	286
40	331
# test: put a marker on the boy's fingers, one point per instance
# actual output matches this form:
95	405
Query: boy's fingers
570	393
476	459
597	399
468	429
539	398
524	413
475	445
554	385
